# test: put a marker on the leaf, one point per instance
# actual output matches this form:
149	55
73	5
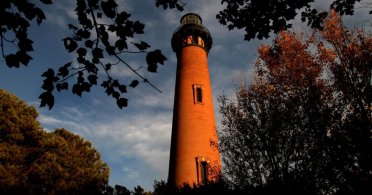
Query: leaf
134	83
110	50
23	57
152	68
89	43
85	34
122	102
46	1
109	8
48	85
122	17
49	74
76	89
47	98
92	79
21	34
63	71
62	86
105	84
108	66
109	90
86	86
97	53
40	16
122	88
70	26
70	44
153	58
25	44
142	46
81	51
121	44
116	95
138	27
12	61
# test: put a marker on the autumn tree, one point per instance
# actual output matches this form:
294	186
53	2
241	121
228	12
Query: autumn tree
99	39
304	125
348	55
20	135
34	161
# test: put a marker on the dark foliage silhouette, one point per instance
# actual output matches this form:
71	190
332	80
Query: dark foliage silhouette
98	40
259	18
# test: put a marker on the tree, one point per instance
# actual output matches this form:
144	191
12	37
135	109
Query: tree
349	59
138	190
121	190
20	134
34	161
98	41
304	124
259	18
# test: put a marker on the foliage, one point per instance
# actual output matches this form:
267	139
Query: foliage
304	125
99	40
215	187
37	162
260	18
171	4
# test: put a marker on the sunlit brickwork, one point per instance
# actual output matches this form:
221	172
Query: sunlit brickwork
193	158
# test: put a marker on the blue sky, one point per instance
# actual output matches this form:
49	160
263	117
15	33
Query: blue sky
134	141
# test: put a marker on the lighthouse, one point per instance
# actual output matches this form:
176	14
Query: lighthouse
194	155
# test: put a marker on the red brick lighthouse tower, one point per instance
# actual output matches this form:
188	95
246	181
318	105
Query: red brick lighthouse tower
192	158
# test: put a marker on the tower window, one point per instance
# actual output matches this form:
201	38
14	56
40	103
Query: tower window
200	41
198	94
202	170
